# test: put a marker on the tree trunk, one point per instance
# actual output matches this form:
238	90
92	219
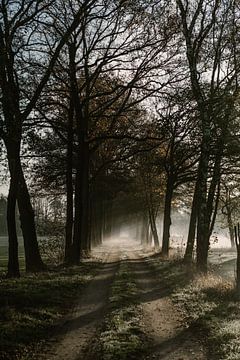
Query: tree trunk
85	242
81	220
230	227
69	185
152	221
13	264
237	242
144	229
33	259
202	225
149	235
167	216
214	189
188	256
13	148
214	214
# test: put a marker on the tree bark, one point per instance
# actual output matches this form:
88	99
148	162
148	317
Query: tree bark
188	256
81	219
33	259
13	264
214	189
202	225
69	185
152	221
167	215
230	226
144	229
237	242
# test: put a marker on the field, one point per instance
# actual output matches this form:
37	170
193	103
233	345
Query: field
4	252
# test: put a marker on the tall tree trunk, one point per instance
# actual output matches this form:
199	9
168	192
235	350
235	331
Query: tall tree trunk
85	243
202	225
230	226
69	184
33	259
75	253
13	264
214	186
215	209
144	229
237	242
152	221
167	215
188	256
81	219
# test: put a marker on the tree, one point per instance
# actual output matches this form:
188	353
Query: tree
178	155
22	29
205	28
112	66
151	179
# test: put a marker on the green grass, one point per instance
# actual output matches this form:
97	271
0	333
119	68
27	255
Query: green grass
31	306
121	337
4	264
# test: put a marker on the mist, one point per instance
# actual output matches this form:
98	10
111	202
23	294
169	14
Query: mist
125	228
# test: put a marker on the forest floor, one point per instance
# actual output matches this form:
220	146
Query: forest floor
124	303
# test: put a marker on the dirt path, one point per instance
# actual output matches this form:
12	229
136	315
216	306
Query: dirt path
79	327
162	321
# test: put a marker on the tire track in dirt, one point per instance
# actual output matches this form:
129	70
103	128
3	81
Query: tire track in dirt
162	322
80	326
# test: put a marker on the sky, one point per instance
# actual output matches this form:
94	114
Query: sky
3	189
3	182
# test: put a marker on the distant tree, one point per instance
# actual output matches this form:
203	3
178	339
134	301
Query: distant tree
151	179
179	154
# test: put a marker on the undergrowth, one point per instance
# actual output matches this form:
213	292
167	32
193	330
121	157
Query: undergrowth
31	306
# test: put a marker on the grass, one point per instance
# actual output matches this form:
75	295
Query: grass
31	306
4	257
120	337
214	314
209	305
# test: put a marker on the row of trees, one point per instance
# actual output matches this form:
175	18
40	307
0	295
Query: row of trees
104	96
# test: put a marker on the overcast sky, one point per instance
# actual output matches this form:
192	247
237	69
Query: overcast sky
3	189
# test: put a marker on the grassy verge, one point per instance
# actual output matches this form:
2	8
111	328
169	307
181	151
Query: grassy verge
31	306
208	301
213	313
121	337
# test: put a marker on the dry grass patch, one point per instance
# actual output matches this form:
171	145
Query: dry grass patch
213	313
